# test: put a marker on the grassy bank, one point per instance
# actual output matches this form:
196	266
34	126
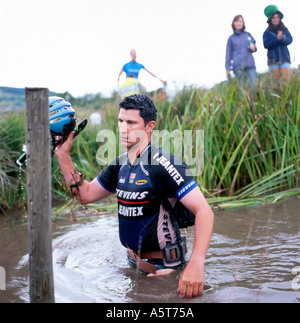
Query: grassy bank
12	138
251	142
251	139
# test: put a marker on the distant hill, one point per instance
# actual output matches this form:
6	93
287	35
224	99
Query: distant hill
13	99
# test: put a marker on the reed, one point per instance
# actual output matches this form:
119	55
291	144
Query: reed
12	138
251	139
251	142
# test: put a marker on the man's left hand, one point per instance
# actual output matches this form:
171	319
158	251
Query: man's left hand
192	279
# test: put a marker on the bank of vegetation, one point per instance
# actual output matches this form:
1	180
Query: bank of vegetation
251	142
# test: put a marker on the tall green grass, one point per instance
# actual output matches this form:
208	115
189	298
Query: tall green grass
251	142
251	139
12	138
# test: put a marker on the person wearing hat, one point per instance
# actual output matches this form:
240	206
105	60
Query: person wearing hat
276	39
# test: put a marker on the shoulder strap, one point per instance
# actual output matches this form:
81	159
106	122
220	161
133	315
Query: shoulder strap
181	216
155	183
161	192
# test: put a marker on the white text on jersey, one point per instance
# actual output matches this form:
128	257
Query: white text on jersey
169	168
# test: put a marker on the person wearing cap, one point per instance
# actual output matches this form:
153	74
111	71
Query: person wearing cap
276	39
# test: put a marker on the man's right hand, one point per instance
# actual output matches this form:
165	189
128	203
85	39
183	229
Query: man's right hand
65	148
88	192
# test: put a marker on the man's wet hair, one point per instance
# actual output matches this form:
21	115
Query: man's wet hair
142	103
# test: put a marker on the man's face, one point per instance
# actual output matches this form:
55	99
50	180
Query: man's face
133	55
131	127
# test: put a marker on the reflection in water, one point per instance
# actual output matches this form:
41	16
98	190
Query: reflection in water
251	257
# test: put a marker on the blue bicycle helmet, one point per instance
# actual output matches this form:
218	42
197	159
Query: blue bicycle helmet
61	116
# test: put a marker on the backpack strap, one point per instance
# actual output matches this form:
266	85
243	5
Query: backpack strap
182	217
160	190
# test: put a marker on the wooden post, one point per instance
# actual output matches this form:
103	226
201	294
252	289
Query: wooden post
41	284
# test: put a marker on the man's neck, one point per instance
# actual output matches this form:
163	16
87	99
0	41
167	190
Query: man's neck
136	150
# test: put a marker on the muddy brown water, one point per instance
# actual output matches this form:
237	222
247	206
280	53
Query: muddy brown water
253	257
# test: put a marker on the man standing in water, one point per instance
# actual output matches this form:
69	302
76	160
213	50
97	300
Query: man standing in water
146	229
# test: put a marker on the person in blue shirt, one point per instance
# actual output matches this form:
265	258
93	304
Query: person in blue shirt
239	50
132	68
276	38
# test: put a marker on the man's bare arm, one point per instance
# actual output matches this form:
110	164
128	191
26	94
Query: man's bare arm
164	82
120	75
86	192
192	279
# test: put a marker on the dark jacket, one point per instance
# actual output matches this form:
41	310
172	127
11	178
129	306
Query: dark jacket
278	52
238	55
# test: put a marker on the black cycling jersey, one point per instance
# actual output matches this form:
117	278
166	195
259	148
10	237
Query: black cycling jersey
144	225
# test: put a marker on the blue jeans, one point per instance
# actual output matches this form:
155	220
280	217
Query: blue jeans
247	76
284	65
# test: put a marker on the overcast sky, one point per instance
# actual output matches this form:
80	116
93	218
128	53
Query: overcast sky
80	46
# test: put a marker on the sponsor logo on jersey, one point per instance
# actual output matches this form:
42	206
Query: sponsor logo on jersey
131	195
141	182
170	168
131	178
131	211
122	180
144	170
187	188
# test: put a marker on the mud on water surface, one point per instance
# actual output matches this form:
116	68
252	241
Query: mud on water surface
253	257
